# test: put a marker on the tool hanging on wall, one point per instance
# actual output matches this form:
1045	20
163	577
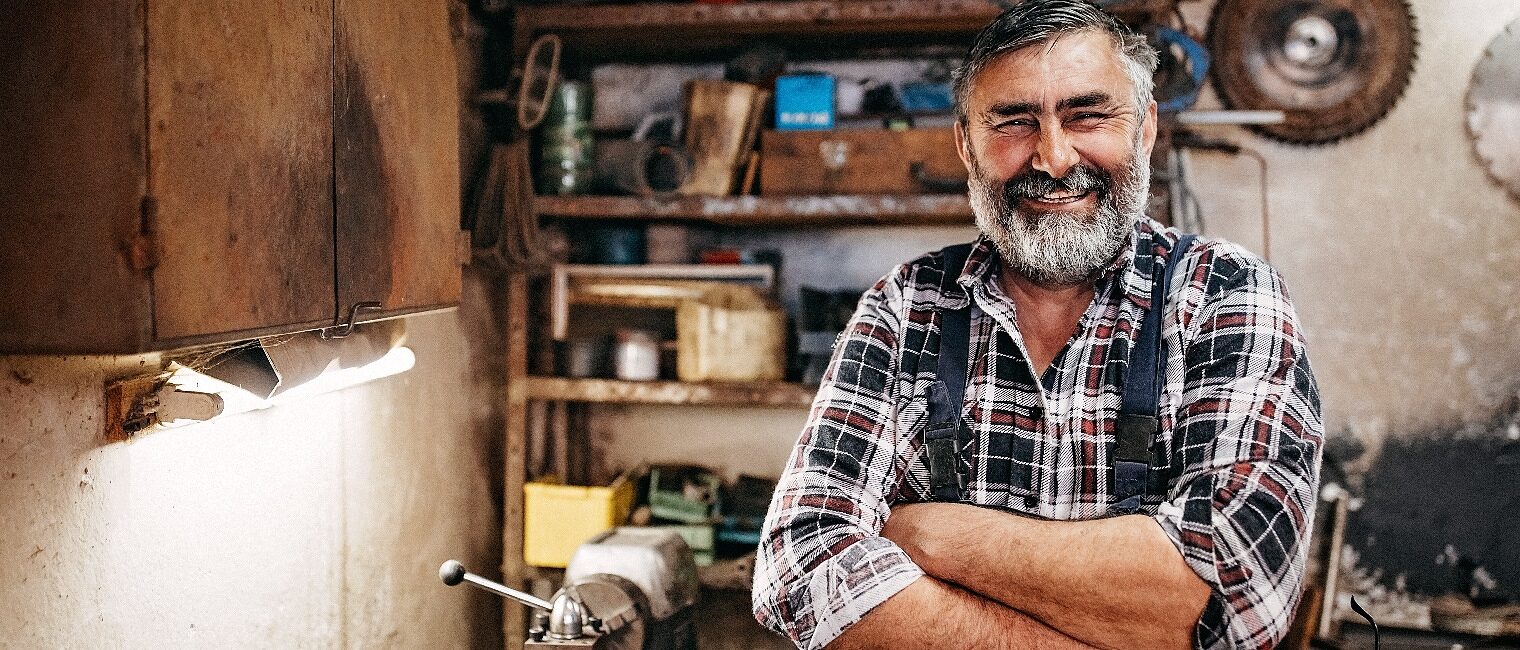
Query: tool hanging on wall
504	231
1492	120
535	83
1336	67
1184	66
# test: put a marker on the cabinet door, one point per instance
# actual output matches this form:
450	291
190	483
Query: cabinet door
71	178
240	164
397	143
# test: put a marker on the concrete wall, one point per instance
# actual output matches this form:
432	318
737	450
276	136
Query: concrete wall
319	523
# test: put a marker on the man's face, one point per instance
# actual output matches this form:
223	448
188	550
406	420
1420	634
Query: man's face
1058	156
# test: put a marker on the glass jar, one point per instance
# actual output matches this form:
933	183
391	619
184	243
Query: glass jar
566	148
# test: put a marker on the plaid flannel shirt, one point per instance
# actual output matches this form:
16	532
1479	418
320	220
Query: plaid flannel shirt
1234	471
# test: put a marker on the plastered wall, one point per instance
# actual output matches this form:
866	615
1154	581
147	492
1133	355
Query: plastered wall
319	523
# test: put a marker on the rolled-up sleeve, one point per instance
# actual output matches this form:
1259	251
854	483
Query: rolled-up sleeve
1248	438
822	564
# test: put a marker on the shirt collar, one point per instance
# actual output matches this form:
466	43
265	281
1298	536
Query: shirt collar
984	263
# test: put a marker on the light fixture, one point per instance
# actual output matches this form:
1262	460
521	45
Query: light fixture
254	375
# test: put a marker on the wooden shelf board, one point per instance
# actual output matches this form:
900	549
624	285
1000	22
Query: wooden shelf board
832	210
611	391
614	30
792	16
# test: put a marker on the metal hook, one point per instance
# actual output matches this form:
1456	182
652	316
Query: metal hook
1355	607
343	330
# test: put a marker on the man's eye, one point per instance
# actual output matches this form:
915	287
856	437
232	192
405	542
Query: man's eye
1017	124
1088	117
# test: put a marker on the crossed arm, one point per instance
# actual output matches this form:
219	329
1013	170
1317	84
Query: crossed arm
839	566
1105	583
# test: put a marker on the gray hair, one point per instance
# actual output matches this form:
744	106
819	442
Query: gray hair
1037	21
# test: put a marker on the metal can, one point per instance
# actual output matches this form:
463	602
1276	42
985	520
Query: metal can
567	157
638	355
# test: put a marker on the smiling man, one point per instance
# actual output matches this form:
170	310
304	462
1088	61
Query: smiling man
1082	430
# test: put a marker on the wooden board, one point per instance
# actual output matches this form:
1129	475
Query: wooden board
514	617
72	163
397	148
875	161
652	29
240	163
722	117
770	394
795	211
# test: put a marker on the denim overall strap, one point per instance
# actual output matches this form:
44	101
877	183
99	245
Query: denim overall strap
1139	422
948	393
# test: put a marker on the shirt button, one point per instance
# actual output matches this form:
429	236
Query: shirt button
1031	501
1037	412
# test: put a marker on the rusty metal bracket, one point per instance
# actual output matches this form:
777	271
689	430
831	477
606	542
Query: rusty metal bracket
137	405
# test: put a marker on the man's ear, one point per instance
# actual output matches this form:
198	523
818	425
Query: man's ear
1149	130
962	142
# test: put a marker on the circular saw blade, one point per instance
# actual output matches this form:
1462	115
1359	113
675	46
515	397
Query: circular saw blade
1335	67
1493	108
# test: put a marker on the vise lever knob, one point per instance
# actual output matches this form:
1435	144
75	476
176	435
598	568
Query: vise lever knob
453	573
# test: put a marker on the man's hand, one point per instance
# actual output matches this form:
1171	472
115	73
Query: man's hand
1111	583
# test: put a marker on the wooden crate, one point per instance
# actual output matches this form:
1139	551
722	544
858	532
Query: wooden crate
876	161
730	335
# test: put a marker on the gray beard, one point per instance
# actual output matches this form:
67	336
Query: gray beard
1061	248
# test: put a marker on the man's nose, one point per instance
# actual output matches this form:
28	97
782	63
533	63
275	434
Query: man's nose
1054	155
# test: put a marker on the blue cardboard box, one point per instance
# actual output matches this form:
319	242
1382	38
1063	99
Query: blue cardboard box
804	102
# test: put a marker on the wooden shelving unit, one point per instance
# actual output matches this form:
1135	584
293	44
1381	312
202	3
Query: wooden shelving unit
662	32
611	391
761	211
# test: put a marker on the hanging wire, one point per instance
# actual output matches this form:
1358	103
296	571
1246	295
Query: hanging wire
1266	212
1189	211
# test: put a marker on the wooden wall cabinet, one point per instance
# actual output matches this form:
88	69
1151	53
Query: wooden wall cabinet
184	173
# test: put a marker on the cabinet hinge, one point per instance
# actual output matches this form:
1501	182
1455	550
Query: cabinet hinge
142	251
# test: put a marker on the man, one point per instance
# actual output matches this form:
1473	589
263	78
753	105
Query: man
867	544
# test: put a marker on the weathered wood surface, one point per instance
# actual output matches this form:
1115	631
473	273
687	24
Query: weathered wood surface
72	165
807	16
240	164
397	148
515	457
776	394
825	210
876	161
612	31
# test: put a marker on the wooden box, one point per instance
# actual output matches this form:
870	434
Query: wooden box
730	334
860	161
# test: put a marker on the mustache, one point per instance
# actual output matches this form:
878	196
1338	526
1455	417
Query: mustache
1079	179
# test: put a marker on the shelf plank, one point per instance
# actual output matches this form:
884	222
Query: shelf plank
611	391
775	17
611	31
833	210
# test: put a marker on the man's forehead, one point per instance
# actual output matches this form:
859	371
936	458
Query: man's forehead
1047	73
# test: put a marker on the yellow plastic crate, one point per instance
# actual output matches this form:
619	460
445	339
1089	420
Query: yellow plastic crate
559	518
